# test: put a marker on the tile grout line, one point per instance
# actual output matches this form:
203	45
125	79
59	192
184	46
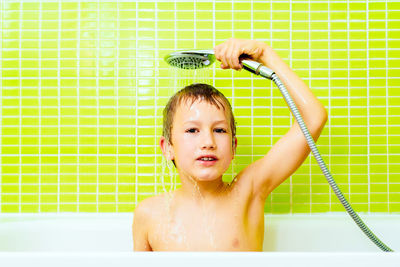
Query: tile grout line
368	113
40	105
291	117
58	106
97	104
231	78
136	109
252	87
310	86
2	11
78	103
387	105
329	103
116	90
348	102
20	116
155	97
271	103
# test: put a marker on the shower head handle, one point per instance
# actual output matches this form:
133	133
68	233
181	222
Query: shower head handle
257	68
200	58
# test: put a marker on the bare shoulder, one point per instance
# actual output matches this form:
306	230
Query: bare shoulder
148	208
144	215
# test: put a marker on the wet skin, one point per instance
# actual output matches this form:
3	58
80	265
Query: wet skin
205	214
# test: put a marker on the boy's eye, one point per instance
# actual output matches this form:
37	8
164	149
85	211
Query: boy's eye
191	130
220	130
194	130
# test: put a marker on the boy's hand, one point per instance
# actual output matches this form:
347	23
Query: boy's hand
229	52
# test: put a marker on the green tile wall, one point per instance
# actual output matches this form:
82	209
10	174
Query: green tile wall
83	84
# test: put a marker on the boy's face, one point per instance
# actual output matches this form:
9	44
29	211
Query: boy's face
202	140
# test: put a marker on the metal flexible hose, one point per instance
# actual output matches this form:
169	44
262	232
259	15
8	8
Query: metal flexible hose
323	167
196	59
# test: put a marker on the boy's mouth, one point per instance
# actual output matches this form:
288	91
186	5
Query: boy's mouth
207	158
207	161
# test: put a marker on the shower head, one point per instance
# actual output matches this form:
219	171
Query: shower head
197	59
190	59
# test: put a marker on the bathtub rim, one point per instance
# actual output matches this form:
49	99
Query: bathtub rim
270	220
111	214
194	259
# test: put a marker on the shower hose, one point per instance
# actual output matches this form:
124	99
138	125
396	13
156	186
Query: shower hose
322	165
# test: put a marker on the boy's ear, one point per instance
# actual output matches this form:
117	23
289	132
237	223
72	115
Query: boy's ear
166	149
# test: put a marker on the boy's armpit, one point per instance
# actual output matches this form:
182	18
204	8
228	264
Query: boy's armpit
281	161
140	228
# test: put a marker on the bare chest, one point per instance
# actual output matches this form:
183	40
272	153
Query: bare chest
189	228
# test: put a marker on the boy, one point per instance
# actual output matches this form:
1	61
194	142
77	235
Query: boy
206	214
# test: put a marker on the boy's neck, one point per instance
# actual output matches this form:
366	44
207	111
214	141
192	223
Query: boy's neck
201	190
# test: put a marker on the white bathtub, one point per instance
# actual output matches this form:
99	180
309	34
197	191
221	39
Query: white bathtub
106	240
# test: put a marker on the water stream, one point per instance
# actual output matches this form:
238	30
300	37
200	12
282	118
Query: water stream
176	229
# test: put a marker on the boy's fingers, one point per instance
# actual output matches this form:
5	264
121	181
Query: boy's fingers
238	52
223	58
224	64
228	56
231	57
235	61
236	58
217	52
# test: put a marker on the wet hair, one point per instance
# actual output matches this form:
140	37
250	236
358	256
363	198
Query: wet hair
193	92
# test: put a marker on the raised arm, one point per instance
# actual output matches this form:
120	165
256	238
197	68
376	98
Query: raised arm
290	151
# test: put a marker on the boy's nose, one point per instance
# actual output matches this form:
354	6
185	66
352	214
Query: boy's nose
208	142
208	146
